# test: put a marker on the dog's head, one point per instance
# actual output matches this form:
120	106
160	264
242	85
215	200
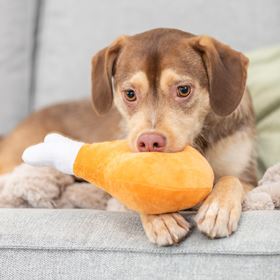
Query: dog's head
164	82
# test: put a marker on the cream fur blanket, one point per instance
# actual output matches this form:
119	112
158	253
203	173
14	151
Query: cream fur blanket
44	187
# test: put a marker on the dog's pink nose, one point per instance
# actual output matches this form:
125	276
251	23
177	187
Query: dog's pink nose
151	142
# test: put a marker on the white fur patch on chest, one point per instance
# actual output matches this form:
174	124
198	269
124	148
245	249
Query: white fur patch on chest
231	155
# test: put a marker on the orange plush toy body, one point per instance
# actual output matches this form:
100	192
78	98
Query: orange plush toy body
150	183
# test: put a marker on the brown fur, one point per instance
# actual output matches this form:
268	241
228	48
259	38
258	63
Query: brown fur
75	119
217	117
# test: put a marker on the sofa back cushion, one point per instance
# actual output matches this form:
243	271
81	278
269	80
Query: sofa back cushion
72	31
17	23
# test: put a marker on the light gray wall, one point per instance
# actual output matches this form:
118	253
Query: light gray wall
72	31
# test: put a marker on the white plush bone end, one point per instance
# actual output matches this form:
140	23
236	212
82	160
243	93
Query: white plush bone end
56	151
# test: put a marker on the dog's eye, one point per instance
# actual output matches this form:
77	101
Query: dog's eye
184	91
130	95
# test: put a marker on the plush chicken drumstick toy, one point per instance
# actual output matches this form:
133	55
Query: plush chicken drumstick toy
150	183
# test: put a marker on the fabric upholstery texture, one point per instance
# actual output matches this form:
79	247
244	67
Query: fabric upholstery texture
54	64
88	244
71	32
17	23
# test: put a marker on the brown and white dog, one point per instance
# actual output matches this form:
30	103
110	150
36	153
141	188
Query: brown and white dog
172	89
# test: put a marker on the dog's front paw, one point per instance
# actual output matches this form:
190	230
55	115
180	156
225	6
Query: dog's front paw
218	218
165	229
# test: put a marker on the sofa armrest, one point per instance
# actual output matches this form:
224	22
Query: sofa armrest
91	244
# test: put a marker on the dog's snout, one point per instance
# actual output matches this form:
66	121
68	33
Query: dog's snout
151	142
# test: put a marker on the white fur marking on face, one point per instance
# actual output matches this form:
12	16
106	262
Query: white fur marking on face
154	118
231	155
139	81
169	76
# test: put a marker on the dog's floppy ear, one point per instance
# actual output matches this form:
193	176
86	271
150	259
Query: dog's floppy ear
103	64
227	74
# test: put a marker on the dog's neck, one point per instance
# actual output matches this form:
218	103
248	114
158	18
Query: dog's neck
216	127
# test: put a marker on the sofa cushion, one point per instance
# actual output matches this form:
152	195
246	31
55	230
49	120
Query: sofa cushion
72	31
89	244
17	24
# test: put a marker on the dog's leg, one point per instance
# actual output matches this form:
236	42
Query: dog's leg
165	229
220	213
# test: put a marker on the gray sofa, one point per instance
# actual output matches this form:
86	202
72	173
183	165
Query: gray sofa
45	52
87	244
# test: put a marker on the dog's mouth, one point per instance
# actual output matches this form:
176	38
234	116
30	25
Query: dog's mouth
174	149
157	141
156	147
